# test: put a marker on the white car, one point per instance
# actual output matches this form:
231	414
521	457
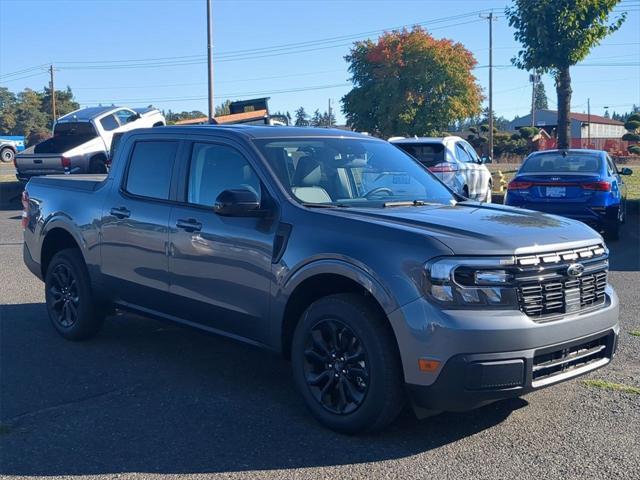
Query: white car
453	161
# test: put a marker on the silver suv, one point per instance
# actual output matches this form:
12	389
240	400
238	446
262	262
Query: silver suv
453	161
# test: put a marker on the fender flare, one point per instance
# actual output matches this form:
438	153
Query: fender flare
359	274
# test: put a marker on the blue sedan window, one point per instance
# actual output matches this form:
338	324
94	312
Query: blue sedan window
558	163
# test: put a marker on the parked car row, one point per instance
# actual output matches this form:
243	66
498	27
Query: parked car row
81	141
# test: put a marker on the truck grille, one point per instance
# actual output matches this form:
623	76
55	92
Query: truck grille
570	360
545	288
566	296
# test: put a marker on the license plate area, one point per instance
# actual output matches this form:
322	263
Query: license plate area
556	192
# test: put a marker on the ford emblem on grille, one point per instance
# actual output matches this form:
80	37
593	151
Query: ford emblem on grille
575	270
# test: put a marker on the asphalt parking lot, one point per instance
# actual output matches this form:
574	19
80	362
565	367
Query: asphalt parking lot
151	399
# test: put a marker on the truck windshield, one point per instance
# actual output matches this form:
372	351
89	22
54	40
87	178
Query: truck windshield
351	172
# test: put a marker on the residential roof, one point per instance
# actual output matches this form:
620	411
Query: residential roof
583	117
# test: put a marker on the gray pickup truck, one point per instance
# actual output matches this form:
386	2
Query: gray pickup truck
284	238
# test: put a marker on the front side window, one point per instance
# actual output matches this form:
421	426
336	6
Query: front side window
471	152
149	173
109	123
125	116
215	168
350	172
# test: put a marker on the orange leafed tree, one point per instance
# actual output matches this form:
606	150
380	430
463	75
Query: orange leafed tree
409	83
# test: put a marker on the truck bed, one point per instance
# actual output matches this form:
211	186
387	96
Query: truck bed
88	182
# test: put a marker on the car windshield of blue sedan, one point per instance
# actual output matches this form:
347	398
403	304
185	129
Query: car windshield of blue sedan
351	172
559	163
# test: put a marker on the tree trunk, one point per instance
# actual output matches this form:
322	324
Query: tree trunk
563	88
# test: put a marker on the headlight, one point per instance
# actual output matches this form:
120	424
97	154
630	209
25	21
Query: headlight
470	282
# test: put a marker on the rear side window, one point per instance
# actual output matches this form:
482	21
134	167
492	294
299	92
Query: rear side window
428	154
109	123
149	173
558	163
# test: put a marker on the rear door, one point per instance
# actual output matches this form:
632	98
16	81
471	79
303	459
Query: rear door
135	224
220	267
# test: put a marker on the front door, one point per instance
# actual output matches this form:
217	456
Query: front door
220	267
135	226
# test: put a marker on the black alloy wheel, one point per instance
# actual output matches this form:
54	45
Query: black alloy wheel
335	367
64	298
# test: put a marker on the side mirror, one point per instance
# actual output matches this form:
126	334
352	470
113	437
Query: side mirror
626	171
486	159
237	202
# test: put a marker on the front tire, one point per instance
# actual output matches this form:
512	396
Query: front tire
346	365
7	155
70	302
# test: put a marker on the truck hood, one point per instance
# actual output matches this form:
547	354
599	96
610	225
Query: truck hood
471	228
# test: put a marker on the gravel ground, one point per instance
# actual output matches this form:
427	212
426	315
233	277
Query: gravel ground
148	399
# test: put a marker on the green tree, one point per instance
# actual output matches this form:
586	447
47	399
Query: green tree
556	34
301	117
540	101
316	120
408	83
8	106
223	109
65	103
31	119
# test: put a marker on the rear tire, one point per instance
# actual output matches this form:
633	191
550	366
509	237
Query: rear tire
489	197
71	305
7	155
97	165
346	364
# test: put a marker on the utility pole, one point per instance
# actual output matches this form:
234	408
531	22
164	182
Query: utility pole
329	119
534	78
491	20
53	94
210	62
589	122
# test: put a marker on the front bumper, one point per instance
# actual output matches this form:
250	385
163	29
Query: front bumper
497	348
474	380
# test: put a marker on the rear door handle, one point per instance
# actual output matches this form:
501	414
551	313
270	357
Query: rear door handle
189	225
120	212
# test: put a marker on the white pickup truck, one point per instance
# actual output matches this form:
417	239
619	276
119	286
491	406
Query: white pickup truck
81	141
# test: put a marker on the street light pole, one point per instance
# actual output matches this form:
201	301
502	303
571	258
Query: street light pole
210	62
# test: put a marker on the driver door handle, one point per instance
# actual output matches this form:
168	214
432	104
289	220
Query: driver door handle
189	225
120	212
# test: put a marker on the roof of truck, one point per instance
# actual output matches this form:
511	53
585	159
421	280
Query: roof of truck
266	131
88	113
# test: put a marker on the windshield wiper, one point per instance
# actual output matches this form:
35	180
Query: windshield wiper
408	203
325	205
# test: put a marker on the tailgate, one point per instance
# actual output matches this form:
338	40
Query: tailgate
39	164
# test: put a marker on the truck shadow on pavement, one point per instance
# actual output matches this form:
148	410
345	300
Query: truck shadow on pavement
146	396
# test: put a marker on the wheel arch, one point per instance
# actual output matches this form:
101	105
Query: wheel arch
320	279
55	239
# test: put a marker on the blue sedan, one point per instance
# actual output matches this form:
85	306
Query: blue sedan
582	184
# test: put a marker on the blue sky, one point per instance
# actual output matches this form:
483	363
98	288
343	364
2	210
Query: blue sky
140	52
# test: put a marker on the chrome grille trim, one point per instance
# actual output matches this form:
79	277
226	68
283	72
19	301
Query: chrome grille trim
566	255
546	291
